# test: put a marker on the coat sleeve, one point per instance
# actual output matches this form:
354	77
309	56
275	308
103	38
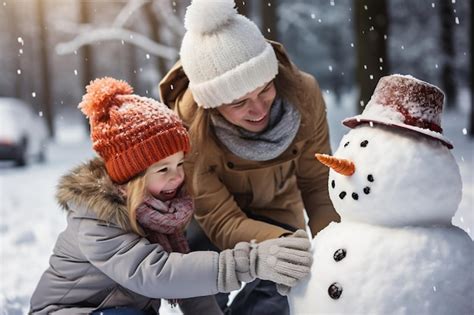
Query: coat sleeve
222	219
145	268
312	176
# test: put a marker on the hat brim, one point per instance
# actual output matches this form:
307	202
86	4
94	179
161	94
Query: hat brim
355	121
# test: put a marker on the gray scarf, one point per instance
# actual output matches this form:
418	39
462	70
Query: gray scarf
266	145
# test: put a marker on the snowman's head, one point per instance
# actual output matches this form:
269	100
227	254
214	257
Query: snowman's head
398	178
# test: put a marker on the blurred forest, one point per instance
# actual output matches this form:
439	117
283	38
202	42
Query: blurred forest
51	49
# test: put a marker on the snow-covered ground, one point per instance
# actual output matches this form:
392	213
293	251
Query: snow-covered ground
30	219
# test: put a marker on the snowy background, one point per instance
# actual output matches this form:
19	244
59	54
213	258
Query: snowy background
30	219
45	62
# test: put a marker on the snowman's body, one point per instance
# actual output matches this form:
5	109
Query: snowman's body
395	250
381	270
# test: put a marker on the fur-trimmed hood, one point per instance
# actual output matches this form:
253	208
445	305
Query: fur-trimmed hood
88	185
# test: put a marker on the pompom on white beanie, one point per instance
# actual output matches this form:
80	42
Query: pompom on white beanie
224	54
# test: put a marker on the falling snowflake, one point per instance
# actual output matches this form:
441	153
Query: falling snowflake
464	131
20	40
33	94
18	71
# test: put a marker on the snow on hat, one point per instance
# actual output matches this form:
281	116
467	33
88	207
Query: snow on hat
224	54
128	131
405	102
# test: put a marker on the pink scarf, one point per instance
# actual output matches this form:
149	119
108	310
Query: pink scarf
164	221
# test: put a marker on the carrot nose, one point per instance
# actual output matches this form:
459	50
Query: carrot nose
342	166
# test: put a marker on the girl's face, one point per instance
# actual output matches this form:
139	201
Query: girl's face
251	111
164	178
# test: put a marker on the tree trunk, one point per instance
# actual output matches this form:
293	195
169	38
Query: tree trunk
45	75
372	28
447	46
269	19
14	33
131	68
243	7
154	25
471	129
85	53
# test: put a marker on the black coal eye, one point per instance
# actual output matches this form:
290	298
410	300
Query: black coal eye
346	144
364	143
333	183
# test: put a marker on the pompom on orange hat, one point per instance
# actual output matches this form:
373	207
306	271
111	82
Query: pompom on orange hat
128	131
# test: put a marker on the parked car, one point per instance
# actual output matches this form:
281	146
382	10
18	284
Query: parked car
23	133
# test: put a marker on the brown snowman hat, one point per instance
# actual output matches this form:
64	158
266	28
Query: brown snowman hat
405	102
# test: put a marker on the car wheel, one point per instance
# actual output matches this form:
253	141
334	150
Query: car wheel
20	160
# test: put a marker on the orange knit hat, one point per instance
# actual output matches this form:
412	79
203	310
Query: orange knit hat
128	131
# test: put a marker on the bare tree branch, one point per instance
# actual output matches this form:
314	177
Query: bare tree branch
168	17
107	34
128	10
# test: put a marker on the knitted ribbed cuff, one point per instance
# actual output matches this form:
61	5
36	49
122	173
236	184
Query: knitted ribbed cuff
237	265
227	280
244	266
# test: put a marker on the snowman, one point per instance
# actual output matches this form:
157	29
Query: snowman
396	186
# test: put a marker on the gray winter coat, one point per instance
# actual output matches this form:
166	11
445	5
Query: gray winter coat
98	262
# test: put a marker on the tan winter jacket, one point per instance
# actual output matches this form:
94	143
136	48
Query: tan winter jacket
227	188
98	263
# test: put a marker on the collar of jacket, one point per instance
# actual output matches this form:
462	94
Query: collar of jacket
89	186
174	89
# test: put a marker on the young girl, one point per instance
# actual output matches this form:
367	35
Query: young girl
123	248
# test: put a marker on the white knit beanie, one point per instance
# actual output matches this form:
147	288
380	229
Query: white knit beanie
224	54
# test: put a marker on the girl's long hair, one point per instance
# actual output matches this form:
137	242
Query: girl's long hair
136	194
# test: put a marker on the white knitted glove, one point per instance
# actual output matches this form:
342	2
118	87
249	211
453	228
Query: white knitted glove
283	261
281	288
